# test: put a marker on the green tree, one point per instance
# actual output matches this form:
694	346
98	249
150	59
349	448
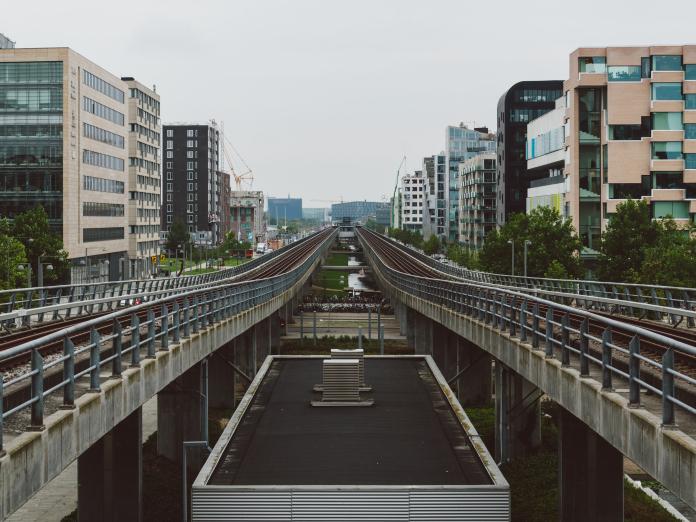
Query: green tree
630	231
431	245
13	255
32	229
672	260
552	238
178	235
463	256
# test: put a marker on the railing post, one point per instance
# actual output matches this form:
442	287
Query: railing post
187	322
195	314
37	407
117	345
565	352
549	332
633	371
606	359
668	388
584	350
164	328
177	321
135	340
150	333
94	356
511	316
2	451
535	326
69	373
523	321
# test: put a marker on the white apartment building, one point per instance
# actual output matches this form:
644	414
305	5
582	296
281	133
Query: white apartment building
413	200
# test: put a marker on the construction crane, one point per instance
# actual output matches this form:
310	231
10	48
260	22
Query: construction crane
396	184
245	178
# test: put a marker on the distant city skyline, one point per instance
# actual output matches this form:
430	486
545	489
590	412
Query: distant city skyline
323	99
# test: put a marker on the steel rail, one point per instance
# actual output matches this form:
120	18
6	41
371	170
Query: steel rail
513	311
166	319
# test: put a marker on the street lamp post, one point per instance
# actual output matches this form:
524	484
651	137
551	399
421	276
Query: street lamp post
512	243
40	273
527	242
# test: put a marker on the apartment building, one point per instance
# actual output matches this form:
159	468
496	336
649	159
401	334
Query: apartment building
519	105
477	199
546	153
144	178
462	143
413	201
192	184
246	210
631	115
435	213
64	145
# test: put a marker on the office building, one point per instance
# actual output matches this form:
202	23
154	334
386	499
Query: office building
64	145
144	178
632	134
282	210
320	215
412	191
192	191
477	199
246	211
356	211
225	210
519	105
546	160
435	215
462	143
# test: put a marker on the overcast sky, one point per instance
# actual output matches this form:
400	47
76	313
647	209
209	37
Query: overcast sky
322	98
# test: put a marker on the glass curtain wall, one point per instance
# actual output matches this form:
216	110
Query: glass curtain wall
590	105
31	139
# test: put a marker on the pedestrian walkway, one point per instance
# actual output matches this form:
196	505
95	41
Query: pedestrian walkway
58	498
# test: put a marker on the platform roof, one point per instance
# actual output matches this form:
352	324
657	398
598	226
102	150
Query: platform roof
410	437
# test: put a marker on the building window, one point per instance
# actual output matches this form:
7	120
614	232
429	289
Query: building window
623	73
170	144
102	234
170	164
189	144
102	185
170	133
102	160
169	218
190	187
690	101
667	121
690	131
189	175
189	154
170	196
667	150
170	187
676	209
189	208
645	70
102	111
169	175
690	72
104	136
103	87
170	154
169	208
690	161
91	208
592	64
667	62
666	91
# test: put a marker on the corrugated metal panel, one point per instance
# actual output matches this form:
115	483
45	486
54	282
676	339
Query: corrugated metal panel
348	506
474	506
210	504
218	504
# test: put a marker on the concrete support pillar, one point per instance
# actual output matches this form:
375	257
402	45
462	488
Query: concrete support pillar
473	372
590	474
110	474
274	336
401	316
292	307
221	377
517	415
181	413
420	333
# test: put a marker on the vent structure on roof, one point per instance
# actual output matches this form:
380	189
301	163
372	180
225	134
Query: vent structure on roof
341	384
357	353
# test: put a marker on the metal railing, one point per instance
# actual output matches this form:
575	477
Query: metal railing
676	305
52	303
549	327
133	334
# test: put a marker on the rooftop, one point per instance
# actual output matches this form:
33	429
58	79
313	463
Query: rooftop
411	436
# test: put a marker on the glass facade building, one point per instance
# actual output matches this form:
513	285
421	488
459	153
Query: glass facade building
31	138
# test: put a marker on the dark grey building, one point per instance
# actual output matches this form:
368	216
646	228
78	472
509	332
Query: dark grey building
357	211
191	189
519	105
